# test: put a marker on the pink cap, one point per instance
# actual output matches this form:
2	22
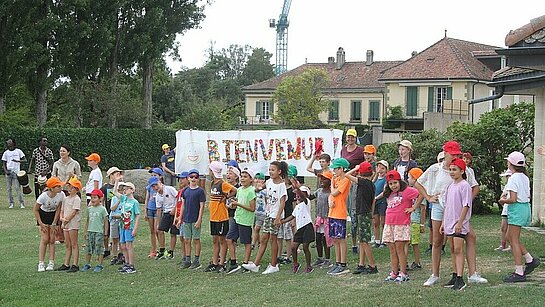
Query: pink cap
516	158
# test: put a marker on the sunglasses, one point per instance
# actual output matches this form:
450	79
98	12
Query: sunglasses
194	177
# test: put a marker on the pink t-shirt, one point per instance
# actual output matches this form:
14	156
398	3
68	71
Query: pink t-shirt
457	196
397	203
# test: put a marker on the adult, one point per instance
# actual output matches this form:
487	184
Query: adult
42	160
353	153
404	163
11	162
432	186
66	167
167	164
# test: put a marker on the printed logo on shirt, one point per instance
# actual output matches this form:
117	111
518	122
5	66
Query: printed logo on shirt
394	201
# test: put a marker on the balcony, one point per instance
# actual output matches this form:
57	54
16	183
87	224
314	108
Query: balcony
255	120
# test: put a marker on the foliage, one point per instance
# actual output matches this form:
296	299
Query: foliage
258	67
301	99
395	112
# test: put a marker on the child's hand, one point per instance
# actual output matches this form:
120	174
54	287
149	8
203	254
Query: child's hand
295	183
198	224
458	228
277	222
43	227
433	198
133	233
441	229
409	210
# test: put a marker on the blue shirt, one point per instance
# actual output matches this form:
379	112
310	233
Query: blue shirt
380	183
151	200
192	203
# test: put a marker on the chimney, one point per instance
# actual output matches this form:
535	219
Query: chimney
369	57
414	53
331	60
340	58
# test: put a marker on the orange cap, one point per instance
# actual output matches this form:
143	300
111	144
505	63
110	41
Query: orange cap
75	183
93	157
53	182
416	172
328	175
370	149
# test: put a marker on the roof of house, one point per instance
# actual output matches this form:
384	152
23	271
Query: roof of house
449	58
352	75
526	31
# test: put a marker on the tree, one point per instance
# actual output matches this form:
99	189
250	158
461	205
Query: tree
301	99
258	68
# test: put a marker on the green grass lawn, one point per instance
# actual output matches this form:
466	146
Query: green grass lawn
162	283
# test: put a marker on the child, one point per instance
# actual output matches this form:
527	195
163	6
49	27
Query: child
369	154
220	191
233	178
114	218
503	226
321	224
183	183
418	218
456	225
95	176
397	229
112	173
70	218
95	227
47	211
324	160
518	215
165	202
244	219
130	217
305	230
337	214
193	207
365	206
151	211
276	200
380	201
285	233
259	208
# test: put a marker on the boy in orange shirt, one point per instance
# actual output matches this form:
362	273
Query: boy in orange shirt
337	214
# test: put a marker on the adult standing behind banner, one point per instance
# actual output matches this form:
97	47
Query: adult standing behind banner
42	160
167	163
11	162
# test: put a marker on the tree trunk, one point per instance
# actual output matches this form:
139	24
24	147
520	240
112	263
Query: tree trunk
41	107
147	91
2	104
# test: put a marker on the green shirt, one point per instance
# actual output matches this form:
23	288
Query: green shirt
96	218
244	196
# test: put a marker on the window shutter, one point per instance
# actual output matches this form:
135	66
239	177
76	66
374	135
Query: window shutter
258	108
431	95
271	109
412	101
449	92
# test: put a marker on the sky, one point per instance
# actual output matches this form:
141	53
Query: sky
392	29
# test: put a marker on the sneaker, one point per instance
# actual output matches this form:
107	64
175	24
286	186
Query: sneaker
10	206
295	267
123	268
354	249
459	284
169	255
243	270
210	268
107	254
98	268
514	277
318	262
326	263
220	268
309	269
431	281
271	269
113	261
86	268
185	264
428	251
451	282
376	245
41	267
531	266
360	269
402	278
391	277
499	248
130	270
477	279
415	266
233	268
250	266
63	267
22	206
152	254
371	270
507	249
195	265
73	269
50	266
341	270
333	268
160	256
382	245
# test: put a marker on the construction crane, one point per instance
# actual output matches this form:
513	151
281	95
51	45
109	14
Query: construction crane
281	38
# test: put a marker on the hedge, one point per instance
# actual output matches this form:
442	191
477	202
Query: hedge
124	148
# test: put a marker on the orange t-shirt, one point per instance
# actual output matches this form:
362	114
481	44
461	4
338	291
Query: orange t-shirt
218	196
339	210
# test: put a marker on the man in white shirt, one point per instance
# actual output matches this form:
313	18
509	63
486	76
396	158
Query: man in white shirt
11	162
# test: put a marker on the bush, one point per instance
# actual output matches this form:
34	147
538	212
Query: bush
124	148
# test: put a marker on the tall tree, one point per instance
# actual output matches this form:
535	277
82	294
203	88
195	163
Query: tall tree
258	68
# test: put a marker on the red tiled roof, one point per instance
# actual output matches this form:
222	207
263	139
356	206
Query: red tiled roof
447	59
353	75
515	36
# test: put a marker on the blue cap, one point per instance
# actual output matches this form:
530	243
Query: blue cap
156	170
193	171
183	175
152	181
233	163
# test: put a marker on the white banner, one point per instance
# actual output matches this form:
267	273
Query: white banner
253	149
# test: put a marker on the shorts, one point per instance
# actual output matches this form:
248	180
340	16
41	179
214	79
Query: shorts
151	213
363	225
240	231
305	234
437	212
95	243
353	222
114	229
285	232
232	229
380	208
189	231
519	214
505	210
107	233
219	228
46	217
337	228
415	233
259	219
167	224
269	227
457	235
125	236
394	233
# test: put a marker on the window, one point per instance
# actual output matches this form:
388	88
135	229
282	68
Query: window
374	111
333	111
412	101
263	109
355	110
437	97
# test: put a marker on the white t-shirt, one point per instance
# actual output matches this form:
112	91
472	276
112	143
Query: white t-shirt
302	214
274	194
49	204
519	183
167	200
9	156
94	175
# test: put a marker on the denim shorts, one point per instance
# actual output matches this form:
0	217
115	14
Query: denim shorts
125	236
151	213
437	212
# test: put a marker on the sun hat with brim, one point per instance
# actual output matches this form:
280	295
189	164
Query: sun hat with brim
340	163
459	163
440	156
216	167
97	192
234	170
130	184
452	147
393	175
112	170
165	146
156	170
384	163
53	182
406	143
516	158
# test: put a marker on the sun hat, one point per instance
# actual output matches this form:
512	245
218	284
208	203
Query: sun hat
406	143
365	168
234	170
340	163
216	167
112	170
165	146
130	184
93	157
156	170
460	163
416	172
516	158
369	149
248	171
97	192
352	132
384	163
452	147
53	182
393	175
